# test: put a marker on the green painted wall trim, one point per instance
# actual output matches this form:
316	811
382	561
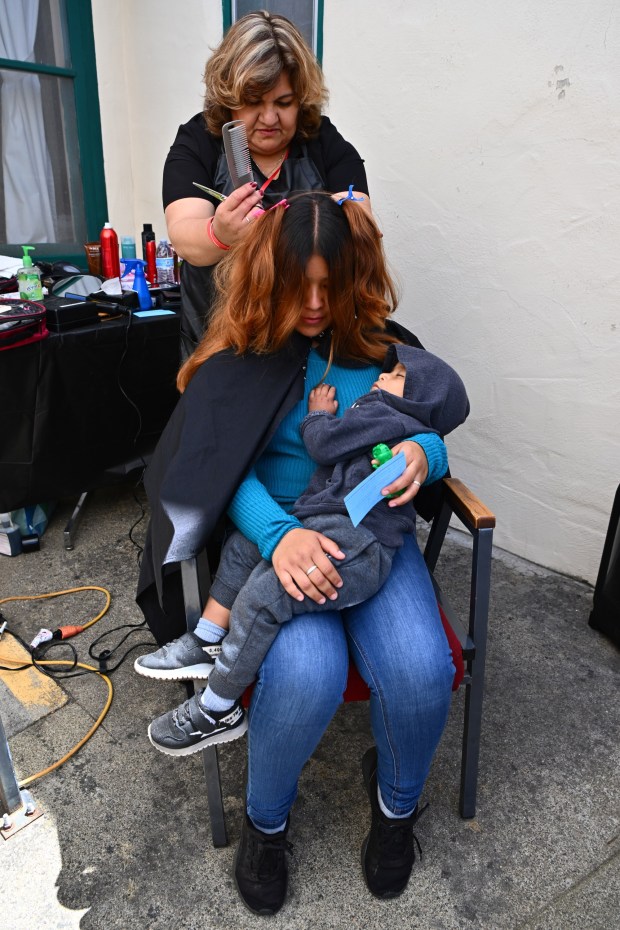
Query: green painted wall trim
82	44
83	75
227	23
8	64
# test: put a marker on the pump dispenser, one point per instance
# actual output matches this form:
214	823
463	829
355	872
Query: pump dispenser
29	278
136	265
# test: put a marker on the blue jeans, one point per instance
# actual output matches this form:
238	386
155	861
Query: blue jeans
397	641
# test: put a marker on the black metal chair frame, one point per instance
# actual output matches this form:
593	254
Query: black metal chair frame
458	501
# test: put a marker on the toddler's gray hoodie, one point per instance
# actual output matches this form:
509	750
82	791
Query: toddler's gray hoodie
434	401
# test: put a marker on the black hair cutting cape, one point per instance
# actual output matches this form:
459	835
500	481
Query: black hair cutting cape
220	426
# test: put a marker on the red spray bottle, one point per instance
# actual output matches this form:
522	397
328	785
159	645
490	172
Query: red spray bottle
151	268
110	265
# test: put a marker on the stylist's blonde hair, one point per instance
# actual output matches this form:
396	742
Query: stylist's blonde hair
261	283
248	63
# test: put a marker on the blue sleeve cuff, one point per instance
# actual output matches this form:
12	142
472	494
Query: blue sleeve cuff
436	455
261	519
277	531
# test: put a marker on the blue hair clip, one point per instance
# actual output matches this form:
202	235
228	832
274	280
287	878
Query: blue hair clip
349	197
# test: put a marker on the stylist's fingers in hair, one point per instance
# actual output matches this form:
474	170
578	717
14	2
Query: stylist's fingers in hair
412	478
300	560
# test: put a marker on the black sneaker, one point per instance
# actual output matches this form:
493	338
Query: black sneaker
388	851
183	659
190	728
261	873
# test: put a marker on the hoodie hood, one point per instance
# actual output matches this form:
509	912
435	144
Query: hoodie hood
433	393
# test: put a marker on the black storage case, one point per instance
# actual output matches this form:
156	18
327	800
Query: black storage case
64	313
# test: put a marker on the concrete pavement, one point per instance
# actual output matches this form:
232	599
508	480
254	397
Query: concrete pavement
124	842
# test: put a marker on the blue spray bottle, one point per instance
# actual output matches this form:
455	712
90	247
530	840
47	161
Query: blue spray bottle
137	266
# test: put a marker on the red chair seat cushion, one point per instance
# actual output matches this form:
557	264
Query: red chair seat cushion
357	689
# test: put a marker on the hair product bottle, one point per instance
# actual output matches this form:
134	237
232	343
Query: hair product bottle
135	267
147	236
151	268
128	247
164	260
110	265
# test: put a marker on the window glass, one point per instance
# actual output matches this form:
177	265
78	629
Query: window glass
51	45
52	191
41	196
300	12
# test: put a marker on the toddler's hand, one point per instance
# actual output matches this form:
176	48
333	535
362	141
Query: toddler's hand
323	397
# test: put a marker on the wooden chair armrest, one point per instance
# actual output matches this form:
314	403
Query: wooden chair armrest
467	506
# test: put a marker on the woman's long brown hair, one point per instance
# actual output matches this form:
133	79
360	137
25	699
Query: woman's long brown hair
261	283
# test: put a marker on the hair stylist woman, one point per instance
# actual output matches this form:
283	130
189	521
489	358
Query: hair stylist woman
264	74
306	296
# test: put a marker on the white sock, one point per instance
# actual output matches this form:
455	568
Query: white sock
212	701
388	813
208	631
271	830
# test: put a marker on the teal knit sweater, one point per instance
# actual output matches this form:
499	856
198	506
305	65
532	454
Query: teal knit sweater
260	506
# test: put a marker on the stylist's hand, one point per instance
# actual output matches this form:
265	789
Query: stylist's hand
413	476
299	551
233	215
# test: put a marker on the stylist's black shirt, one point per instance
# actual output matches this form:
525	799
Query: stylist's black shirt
325	162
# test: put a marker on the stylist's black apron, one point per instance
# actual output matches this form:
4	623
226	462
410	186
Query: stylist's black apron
298	173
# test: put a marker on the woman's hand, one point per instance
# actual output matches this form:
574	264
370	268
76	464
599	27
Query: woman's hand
300	560
234	214
322	397
413	476
187	219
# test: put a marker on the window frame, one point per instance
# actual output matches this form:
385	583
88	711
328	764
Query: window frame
227	22
83	74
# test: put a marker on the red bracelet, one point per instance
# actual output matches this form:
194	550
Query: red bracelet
214	238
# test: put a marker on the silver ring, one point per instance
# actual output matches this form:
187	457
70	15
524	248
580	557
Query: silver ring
311	569
415	481
247	218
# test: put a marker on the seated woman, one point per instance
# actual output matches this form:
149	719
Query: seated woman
416	393
304	295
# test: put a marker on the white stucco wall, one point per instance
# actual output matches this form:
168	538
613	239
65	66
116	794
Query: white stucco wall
150	60
491	134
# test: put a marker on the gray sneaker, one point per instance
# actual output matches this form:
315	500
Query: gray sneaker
183	659
190	728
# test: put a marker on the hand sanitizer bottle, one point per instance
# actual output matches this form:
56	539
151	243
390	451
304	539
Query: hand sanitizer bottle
29	278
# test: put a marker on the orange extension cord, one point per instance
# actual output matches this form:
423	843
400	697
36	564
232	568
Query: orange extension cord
64	632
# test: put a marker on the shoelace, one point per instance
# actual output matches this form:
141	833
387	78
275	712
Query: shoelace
265	856
396	836
394	840
181	715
